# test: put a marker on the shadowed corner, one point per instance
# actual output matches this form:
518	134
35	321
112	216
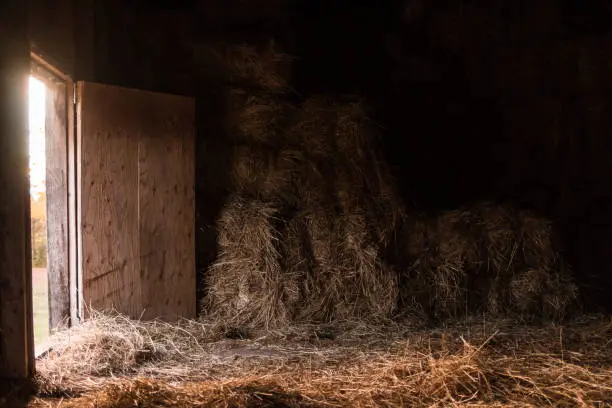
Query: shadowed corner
17	393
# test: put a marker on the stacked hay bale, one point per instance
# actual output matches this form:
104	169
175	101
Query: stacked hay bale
311	213
312	208
348	211
245	282
486	258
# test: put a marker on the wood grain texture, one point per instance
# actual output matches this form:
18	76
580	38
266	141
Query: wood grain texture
109	206
56	146
166	209
16	341
137	208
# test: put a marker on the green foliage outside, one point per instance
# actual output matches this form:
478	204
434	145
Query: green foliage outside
39	243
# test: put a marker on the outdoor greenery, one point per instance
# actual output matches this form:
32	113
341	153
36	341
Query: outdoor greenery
39	243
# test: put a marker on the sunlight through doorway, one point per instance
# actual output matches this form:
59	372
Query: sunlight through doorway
38	200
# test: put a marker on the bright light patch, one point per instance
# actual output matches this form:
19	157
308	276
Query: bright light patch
37	107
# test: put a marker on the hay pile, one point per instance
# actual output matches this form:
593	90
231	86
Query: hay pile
487	258
311	212
478	363
309	229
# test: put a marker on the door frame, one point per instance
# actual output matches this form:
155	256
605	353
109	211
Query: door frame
68	309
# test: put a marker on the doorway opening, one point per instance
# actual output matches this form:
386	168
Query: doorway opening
38	203
52	201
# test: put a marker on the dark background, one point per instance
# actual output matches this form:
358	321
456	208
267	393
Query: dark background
507	100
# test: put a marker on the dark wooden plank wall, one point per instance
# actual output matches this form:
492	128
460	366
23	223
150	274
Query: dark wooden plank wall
16	347
51	31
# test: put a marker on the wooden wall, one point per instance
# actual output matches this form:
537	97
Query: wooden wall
16	347
62	31
51	30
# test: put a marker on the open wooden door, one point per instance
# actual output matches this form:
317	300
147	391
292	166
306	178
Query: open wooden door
135	155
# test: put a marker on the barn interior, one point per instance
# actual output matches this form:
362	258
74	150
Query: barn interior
304	204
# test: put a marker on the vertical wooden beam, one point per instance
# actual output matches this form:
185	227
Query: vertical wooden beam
56	147
16	340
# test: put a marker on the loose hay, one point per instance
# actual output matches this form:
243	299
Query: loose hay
484	364
490	259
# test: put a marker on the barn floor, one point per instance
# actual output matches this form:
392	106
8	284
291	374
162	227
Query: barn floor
111	361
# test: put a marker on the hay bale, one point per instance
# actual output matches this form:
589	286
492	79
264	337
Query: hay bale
344	156
314	267
314	126
329	126
247	66
538	234
260	172
487	258
313	181
541	291
355	133
365	269
346	275
259	118
318	253
247	284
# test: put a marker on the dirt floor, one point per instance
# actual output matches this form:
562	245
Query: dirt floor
114	362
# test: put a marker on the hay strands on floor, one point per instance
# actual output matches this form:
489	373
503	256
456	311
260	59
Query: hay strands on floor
478	363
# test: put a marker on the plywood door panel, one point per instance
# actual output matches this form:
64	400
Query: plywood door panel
109	200
166	210
137	205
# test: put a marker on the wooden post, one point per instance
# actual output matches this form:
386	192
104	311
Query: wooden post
58	227
16	340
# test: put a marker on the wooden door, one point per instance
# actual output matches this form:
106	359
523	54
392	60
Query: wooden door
136	201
